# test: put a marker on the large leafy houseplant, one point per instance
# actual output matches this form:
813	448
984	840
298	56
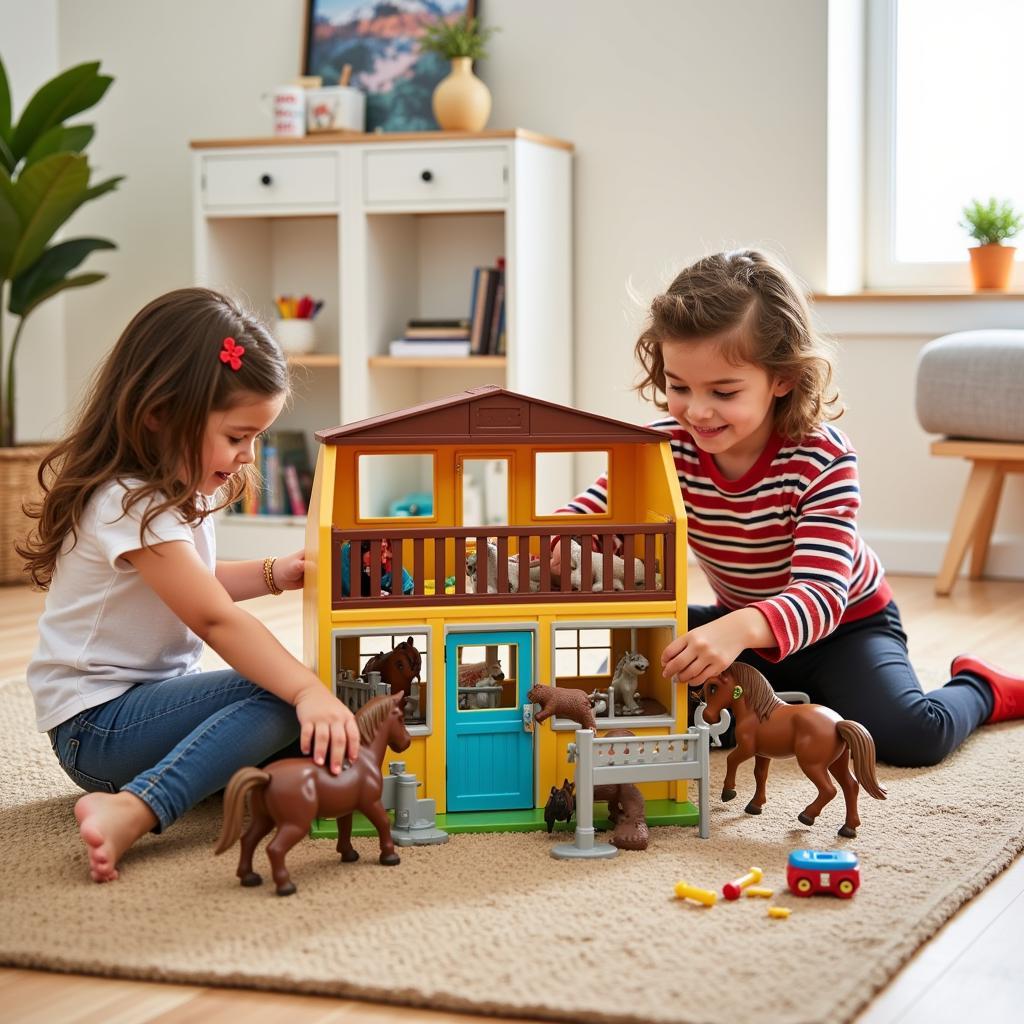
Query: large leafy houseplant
44	179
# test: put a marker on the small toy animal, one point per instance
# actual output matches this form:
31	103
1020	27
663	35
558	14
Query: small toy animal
561	804
291	792
479	673
627	813
624	682
399	667
767	727
564	701
596	582
492	571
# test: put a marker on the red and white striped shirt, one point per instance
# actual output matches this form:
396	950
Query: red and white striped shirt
782	538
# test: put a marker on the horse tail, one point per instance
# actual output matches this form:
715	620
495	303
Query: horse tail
234	804
862	749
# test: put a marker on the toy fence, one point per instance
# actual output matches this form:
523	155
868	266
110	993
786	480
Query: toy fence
355	691
617	759
433	557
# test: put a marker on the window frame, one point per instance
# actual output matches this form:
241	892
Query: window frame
882	270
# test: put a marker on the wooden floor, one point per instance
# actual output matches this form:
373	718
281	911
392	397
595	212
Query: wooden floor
974	967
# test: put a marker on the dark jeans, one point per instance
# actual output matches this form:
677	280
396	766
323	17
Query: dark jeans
862	670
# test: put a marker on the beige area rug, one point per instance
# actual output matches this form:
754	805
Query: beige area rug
493	924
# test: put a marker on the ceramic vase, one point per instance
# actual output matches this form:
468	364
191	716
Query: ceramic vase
462	103
992	266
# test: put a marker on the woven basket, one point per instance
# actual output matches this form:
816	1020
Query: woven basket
18	484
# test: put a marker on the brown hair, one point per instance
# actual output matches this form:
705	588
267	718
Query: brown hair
753	295
166	365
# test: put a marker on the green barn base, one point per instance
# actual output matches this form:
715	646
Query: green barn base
658	812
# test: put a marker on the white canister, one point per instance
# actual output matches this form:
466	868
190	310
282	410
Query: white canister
295	335
290	111
337	108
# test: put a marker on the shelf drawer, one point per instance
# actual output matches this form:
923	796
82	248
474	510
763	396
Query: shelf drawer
442	174
299	179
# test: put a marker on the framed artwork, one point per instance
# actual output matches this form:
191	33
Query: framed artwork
380	40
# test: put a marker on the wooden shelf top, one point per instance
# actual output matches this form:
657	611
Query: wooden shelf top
314	359
348	138
438	362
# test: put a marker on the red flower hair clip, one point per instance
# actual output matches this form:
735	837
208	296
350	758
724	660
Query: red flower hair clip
232	353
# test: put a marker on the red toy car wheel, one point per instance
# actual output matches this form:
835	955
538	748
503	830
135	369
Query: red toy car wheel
846	888
803	886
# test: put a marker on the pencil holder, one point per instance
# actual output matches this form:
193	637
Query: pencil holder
295	335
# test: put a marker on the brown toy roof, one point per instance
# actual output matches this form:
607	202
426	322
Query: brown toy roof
487	415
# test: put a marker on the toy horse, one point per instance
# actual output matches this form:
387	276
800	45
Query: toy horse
290	793
768	727
399	667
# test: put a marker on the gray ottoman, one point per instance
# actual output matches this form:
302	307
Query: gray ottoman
970	388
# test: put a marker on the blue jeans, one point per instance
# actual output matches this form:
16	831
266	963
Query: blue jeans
174	742
862	670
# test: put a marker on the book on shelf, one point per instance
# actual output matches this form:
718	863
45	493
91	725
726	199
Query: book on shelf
286	476
438	322
429	348
485	280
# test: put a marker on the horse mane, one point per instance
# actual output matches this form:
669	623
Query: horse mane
371	714
761	698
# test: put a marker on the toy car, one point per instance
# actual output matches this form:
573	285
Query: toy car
828	871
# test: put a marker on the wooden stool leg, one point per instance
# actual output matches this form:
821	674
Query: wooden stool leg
983	535
977	495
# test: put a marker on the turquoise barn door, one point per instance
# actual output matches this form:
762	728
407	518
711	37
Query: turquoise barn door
489	753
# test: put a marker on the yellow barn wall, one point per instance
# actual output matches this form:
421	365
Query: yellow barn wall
644	489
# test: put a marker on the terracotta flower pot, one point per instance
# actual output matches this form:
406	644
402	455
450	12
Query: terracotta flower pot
992	266
462	103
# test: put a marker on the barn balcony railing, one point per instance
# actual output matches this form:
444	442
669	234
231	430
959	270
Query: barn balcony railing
649	547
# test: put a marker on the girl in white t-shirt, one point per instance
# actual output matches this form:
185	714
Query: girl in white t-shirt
125	546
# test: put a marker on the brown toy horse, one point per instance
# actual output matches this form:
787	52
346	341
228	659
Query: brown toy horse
399	667
290	793
768	727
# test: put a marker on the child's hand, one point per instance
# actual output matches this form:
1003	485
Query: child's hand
326	723
703	652
289	570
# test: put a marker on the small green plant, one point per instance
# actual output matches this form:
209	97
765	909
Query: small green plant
462	37
993	222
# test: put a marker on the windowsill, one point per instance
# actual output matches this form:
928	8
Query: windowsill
916	295
622	722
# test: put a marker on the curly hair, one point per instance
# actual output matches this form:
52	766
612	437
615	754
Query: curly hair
165	369
754	297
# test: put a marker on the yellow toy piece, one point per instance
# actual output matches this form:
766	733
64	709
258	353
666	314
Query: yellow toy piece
440	572
734	889
779	912
685	891
755	890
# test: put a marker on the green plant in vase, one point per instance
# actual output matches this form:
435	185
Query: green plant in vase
991	224
461	101
44	178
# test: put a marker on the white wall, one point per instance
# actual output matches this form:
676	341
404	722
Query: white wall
698	125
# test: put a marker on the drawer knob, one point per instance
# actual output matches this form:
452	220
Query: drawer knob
266	179
427	175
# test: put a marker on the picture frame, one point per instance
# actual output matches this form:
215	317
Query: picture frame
383	52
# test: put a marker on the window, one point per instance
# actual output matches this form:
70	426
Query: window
941	132
402	661
396	486
558	474
583	652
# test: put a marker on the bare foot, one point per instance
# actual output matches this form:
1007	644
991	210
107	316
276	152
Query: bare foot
109	823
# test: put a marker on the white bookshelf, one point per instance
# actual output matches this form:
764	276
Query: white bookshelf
384	228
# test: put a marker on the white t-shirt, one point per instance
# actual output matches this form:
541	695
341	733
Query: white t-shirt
103	628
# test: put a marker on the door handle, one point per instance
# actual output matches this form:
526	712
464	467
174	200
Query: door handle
528	717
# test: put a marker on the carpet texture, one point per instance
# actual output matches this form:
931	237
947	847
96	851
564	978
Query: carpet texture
492	923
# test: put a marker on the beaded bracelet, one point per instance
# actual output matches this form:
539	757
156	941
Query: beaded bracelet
268	575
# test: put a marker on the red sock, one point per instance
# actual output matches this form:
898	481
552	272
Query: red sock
1007	689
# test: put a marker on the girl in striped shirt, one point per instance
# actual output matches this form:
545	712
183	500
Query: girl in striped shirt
771	497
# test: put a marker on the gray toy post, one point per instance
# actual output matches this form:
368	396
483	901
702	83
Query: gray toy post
415	820
638	759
